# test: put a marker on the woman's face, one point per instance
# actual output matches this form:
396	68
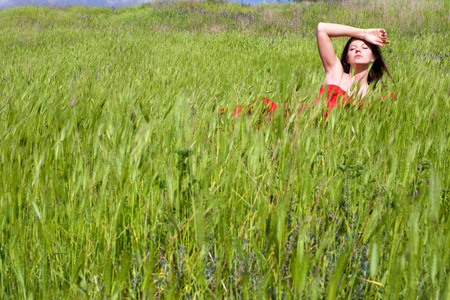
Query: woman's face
359	53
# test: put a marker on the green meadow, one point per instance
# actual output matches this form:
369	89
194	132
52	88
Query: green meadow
121	177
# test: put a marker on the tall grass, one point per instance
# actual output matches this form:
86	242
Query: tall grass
120	178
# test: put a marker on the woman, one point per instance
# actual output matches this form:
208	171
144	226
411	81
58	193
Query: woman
361	64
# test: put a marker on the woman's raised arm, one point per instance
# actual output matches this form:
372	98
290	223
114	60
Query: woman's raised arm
325	31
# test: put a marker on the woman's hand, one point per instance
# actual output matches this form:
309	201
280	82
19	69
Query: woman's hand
376	36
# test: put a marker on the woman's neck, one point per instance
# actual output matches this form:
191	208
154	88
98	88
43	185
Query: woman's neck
357	80
359	75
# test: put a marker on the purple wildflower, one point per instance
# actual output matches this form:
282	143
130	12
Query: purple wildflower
333	217
271	41
414	193
396	58
419	167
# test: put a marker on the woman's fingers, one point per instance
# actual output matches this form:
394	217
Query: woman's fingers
382	33
380	43
384	37
377	36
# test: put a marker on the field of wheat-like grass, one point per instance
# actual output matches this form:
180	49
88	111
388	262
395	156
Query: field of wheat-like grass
124	176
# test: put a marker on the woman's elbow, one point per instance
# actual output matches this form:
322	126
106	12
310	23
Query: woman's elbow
320	26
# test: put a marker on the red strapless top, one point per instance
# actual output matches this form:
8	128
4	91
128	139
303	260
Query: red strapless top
335	96
333	93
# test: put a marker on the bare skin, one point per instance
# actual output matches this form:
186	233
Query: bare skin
359	56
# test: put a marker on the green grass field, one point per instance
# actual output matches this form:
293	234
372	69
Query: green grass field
120	178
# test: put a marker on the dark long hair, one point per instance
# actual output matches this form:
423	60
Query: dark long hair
378	67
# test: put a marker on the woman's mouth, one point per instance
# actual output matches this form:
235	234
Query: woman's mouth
358	56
